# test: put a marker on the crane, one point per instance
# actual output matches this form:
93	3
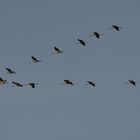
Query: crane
96	34
2	81
35	60
82	42
68	82
57	50
10	71
91	83
132	82
31	84
17	84
117	28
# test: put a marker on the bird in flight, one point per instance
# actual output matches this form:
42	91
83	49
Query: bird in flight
68	82
9	71
2	81
35	60
91	83
96	34
17	84
57	50
132	82
31	84
117	28
82	42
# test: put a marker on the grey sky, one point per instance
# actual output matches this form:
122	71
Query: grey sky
55	111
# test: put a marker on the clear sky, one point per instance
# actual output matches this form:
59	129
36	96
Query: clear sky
54	111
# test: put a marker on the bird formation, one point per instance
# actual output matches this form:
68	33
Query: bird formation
59	51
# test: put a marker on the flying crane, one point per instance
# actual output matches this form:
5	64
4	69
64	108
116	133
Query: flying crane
117	28
91	83
68	82
17	84
2	81
57	50
31	84
10	71
82	42
96	34
35	60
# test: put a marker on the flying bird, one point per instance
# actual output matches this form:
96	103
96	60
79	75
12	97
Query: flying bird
2	81
35	60
68	82
57	50
82	42
17	84
9	71
31	84
132	82
117	28
91	83
96	34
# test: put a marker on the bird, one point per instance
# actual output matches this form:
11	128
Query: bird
9	71
68	82
81	42
117	28
57	50
132	82
91	83
17	84
31	84
96	34
2	81
35	60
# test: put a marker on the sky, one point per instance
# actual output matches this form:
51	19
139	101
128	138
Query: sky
63	112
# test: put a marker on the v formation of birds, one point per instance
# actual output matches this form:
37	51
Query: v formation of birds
59	51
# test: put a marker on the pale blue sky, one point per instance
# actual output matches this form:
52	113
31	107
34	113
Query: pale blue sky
57	112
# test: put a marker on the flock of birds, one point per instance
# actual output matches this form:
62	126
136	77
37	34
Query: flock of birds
59	51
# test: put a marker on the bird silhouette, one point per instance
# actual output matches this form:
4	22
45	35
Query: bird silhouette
96	34
117	28
132	82
68	82
35	60
91	83
2	81
57	50
17	84
9	71
82	42
31	84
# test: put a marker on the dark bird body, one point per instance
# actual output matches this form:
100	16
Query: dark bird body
82	42
91	83
57	50
96	34
34	59
132	82
17	84
68	82
32	84
9	71
2	81
117	28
